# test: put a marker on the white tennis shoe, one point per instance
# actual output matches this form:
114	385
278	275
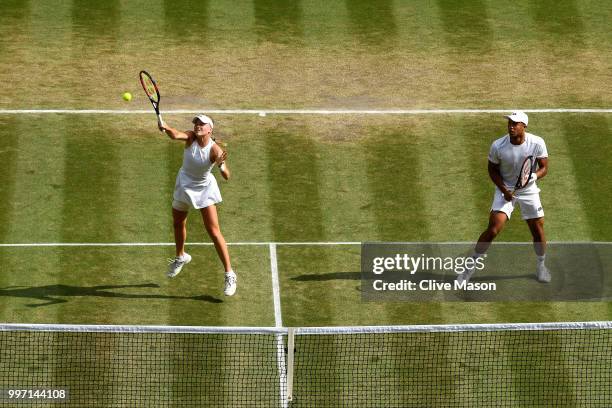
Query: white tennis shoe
543	274
176	264
230	284
465	276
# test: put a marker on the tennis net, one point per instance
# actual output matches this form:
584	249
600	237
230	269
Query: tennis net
506	365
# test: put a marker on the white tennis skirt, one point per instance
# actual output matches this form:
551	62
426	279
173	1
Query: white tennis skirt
190	193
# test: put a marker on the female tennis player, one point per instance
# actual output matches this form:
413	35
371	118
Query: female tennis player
197	188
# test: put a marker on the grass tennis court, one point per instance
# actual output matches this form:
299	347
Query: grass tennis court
75	178
296	179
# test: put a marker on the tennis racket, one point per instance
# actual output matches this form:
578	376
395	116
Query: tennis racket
150	88
525	174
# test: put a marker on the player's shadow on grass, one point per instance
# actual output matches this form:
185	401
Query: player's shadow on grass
52	294
328	276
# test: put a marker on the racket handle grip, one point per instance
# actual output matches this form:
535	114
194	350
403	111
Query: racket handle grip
159	122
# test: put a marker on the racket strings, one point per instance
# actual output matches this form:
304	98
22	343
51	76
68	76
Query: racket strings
525	173
150	88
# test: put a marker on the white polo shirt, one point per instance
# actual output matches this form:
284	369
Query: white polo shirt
510	158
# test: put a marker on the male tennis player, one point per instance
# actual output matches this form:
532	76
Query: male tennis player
197	188
506	157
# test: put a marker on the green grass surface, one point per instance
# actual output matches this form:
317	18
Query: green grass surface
537	369
143	369
67	178
307	54
412	370
101	179
129	286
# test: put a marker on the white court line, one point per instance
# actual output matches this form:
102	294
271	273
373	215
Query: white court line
139	244
302	111
278	319
339	243
278	322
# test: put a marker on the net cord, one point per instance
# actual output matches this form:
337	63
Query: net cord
306	330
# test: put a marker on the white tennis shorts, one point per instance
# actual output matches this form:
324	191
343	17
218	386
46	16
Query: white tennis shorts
531	206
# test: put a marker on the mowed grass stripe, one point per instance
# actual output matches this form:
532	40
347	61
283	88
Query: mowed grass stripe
475	133
237	15
587	142
537	369
466	25
460	151
562	53
145	187
91	183
321	286
368	83
279	21
381	30
571	356
322	24
588	145
14	26
90	204
33	179
246	213
42	178
294	179
49	33
344	189
147	165
33	207
179	26
396	156
453	154
396	182
566	216
9	151
562	24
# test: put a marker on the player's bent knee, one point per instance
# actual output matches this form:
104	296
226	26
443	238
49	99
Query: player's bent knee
493	232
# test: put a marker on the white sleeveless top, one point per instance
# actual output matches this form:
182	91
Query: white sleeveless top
196	161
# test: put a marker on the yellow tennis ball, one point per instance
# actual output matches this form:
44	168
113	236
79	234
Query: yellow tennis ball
127	96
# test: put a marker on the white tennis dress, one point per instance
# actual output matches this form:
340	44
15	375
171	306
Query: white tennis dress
196	187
